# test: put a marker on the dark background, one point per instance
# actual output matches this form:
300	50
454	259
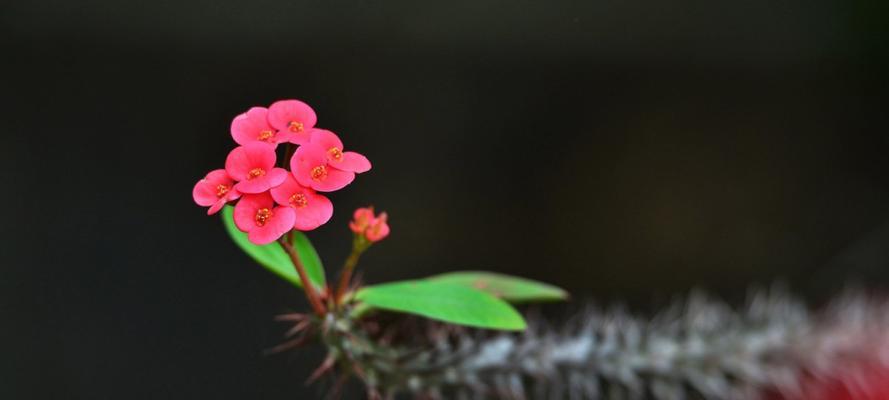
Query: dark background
627	151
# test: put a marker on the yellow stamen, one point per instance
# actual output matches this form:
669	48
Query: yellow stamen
255	172
262	216
266	135
336	153
319	173
299	200
295	126
221	190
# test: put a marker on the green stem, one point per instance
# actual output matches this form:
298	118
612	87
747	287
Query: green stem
359	245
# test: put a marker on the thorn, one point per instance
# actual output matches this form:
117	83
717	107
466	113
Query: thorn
302	325
294	317
325	366
291	344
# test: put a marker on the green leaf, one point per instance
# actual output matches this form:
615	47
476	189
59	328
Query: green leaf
510	288
274	258
444	301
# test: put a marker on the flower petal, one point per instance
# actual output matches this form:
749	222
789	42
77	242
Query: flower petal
378	228
219	176
326	139
233	194
304	160
280	223
247	127
300	138
283	112
317	212
335	180
361	219
205	190
257	185
242	159
237	163
245	211
204	194
282	192
217	206
352	162
276	177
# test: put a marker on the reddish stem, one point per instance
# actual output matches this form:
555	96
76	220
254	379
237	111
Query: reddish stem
309	288
346	276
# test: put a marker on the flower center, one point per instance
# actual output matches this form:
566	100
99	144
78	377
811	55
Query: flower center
295	126
266	135
221	190
255	172
319	173
336	153
299	200
262	216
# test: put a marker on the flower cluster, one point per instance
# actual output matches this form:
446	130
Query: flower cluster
272	200
365	224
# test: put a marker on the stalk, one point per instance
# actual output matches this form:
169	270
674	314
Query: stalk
359	245
308	287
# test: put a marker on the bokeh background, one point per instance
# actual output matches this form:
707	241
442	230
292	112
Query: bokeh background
627	151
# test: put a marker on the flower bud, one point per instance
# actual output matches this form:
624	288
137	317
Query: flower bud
370	227
361	220
378	228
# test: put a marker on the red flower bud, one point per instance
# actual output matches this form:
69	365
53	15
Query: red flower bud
373	228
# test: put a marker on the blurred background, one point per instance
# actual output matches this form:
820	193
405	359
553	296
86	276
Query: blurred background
626	151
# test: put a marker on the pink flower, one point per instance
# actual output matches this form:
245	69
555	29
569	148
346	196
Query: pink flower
346	161
372	228
216	189
264	223
253	166
253	126
378	228
310	168
295	117
361	219
312	209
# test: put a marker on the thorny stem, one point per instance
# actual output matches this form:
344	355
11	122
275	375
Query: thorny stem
309	288
359	245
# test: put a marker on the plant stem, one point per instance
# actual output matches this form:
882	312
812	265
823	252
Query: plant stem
309	288
358	246
288	154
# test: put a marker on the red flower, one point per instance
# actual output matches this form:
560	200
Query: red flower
294	117
312	209
373	228
310	168
253	166
264	223
336	157
253	126
216	189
